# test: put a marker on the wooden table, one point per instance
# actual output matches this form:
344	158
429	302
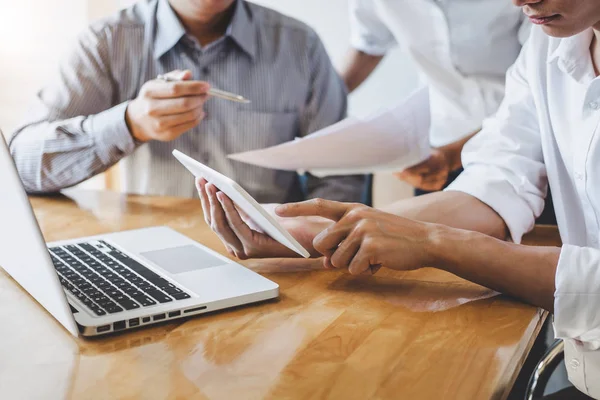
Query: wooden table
418	335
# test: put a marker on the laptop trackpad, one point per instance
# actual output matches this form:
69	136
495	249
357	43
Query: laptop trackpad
177	260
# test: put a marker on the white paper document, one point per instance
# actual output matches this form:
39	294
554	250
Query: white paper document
390	140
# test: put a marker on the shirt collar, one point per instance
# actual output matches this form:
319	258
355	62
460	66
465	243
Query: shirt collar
573	55
243	29
169	29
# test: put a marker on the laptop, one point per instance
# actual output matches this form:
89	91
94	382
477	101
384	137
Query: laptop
108	283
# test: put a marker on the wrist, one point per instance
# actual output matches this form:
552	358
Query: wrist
136	133
443	246
452	156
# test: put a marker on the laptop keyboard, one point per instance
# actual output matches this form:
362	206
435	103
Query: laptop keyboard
109	281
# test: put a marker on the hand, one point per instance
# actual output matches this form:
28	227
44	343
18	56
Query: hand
364	239
242	237
165	110
431	174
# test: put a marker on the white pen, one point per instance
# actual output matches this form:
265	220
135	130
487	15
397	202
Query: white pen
212	91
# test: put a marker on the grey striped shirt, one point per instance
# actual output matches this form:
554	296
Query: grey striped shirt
77	128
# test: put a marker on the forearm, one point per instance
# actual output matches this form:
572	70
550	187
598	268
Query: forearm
454	209
357	68
524	272
51	156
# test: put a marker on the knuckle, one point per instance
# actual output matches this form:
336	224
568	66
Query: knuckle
175	90
148	108
363	226
214	226
145	90
169	134
319	202
158	125
358	211
370	244
188	102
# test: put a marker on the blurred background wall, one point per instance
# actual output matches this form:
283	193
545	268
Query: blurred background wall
34	35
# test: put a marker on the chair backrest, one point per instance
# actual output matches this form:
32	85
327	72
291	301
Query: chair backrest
544	369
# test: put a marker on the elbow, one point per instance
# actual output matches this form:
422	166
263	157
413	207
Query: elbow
31	174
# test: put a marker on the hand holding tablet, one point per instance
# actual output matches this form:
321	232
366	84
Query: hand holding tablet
244	202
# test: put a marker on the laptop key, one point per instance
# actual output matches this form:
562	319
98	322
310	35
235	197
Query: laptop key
106	303
172	290
145	301
113	309
158	295
181	296
130	290
129	304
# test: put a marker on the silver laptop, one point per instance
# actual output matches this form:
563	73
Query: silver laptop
102	284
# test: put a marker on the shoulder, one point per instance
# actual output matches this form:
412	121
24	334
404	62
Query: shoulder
120	25
277	25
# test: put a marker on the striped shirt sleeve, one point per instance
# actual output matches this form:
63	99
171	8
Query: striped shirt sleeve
74	130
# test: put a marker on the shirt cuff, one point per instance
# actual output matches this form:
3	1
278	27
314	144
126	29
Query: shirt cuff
111	134
369	47
577	296
490	187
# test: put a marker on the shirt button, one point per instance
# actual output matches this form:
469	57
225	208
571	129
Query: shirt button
578	176
594	105
574	363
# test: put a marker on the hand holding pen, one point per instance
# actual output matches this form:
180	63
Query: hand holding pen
168	107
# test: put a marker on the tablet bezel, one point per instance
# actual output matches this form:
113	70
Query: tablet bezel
244	201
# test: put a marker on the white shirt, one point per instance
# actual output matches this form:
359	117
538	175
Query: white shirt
546	131
462	49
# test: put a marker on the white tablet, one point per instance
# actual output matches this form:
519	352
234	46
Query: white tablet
244	201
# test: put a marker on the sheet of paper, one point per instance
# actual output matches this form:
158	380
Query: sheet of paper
390	140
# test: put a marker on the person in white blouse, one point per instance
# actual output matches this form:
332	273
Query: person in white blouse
461	48
545	133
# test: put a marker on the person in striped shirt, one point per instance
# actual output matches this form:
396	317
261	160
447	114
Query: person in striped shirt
106	104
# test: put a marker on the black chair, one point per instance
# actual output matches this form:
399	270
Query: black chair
544	369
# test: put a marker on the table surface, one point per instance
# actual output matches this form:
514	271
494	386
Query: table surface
413	335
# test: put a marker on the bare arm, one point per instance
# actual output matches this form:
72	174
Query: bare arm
363	240
525	272
357	68
454	209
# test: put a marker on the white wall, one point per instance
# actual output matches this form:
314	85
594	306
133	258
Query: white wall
33	35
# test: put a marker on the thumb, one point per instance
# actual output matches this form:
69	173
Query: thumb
180	75
186	75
